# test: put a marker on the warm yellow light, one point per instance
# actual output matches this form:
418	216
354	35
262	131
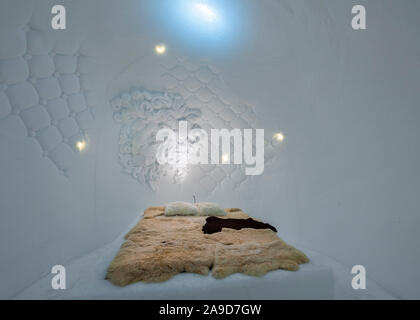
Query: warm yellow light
160	49
279	137
81	145
225	158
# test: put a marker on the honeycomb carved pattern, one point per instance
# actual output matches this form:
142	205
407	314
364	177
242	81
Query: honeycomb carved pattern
200	88
47	92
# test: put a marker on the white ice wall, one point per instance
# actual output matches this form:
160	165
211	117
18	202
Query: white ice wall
348	102
360	149
343	182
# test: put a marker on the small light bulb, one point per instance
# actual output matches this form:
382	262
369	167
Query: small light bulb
279	137
81	145
160	49
225	158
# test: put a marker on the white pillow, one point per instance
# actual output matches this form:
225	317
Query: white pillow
180	208
210	209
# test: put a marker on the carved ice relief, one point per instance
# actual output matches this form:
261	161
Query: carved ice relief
142	114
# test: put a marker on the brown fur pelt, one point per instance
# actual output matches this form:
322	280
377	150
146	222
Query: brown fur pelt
159	247
215	224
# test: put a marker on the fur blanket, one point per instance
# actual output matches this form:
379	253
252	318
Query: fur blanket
159	247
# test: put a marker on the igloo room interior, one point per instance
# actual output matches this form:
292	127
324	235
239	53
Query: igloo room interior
209	149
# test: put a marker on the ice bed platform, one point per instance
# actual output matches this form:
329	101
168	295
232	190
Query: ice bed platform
85	280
